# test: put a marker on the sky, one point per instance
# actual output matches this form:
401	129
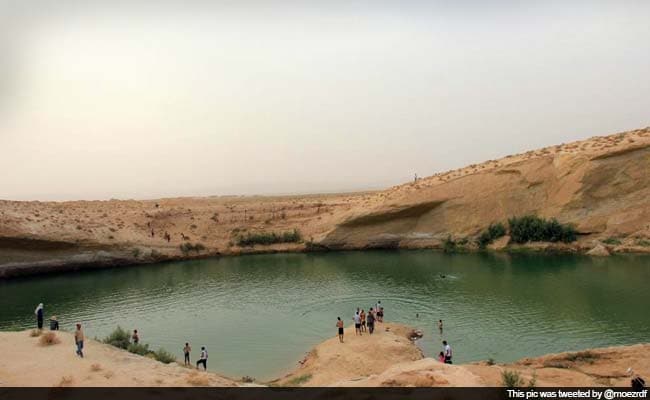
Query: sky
146	99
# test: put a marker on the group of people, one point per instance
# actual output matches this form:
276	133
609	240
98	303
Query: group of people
135	337
203	358
363	322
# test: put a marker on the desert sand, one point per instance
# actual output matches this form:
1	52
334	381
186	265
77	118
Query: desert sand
387	358
600	185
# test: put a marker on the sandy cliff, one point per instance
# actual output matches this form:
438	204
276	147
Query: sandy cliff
601	185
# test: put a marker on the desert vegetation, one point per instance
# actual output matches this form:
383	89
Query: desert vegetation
121	338
531	228
268	238
494	231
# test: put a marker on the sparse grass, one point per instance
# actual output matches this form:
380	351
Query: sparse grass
643	242
164	356
247	379
299	380
266	238
556	364
197	379
449	244
612	241
119	338
187	247
35	333
95	367
531	228
511	379
494	231
49	339
139	349
65	381
135	252
582	356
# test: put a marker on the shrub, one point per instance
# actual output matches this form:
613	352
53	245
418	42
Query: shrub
490	361
35	333
511	379
449	245
49	339
266	238
299	380
612	241
582	356
531	228
196	379
95	367
188	247
164	356
139	349
119	338
494	231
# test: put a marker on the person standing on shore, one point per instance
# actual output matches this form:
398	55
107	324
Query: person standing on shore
447	352
135	337
363	320
357	323
203	360
339	324
79	341
39	316
186	350
371	321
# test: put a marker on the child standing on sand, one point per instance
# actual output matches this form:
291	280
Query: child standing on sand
186	350
339	324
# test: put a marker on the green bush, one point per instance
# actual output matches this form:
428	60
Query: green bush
188	247
511	379
449	245
119	338
164	356
266	238
531	228
140	349
612	241
494	231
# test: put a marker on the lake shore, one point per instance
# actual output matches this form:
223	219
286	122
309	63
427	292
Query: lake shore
387	358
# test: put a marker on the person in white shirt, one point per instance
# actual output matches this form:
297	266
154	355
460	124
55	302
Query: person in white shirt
357	323
446	351
203	360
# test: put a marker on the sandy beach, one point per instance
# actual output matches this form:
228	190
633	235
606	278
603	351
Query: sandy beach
386	358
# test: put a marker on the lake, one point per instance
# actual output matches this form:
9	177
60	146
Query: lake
259	314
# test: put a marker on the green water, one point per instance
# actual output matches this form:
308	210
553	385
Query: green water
259	315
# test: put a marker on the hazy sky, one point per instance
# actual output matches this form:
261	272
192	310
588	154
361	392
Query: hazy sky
143	99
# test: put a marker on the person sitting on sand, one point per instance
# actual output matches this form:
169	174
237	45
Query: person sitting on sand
339	324
186	350
54	323
370	319
39	316
135	336
79	341
203	360
363	320
357	323
447	352
441	357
